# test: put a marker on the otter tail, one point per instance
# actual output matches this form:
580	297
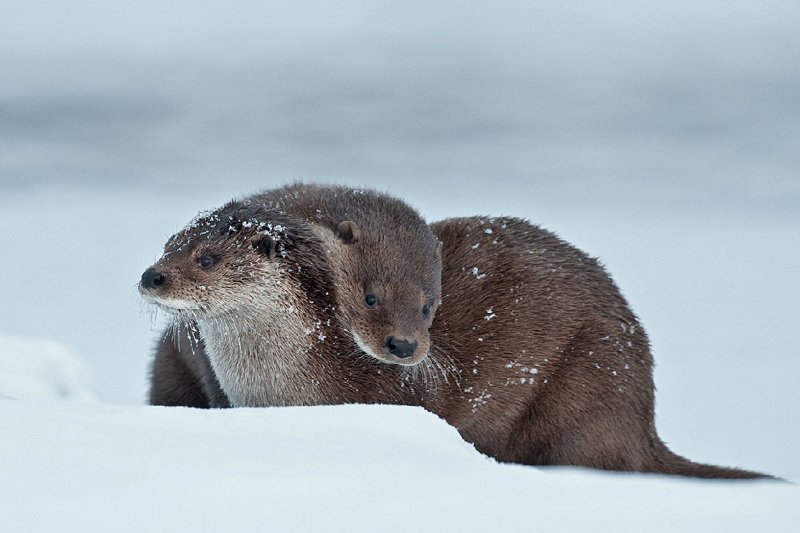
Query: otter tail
671	463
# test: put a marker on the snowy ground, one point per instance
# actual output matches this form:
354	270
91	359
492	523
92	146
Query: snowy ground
661	139
342	468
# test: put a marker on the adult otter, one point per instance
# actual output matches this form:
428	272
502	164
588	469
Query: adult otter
386	261
536	357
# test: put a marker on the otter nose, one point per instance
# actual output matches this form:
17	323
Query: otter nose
401	348
151	279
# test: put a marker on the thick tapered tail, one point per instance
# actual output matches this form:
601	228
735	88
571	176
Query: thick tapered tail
670	463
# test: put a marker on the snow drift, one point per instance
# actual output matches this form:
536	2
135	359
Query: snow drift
72	467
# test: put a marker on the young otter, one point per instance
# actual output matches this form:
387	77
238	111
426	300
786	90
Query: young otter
536	356
386	261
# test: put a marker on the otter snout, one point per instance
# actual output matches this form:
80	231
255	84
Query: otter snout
152	279
401	348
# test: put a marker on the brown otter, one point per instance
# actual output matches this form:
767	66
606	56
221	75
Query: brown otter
255	283
389	282
536	357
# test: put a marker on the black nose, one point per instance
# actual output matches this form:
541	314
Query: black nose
152	279
401	348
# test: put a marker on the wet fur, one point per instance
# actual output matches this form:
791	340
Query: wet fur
536	356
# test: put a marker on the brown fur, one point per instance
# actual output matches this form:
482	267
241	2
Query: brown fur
555	367
181	374
536	359
377	245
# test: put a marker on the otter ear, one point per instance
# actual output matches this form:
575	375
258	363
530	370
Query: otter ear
348	231
265	245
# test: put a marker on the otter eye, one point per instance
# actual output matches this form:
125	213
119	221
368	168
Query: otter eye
426	309
205	261
370	300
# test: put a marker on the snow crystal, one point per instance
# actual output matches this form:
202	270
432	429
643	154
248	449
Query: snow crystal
480	400
477	274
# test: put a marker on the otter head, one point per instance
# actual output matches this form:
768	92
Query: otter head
253	283
217	263
389	289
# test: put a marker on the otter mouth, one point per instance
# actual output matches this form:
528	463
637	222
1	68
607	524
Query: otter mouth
404	354
154	287
170	305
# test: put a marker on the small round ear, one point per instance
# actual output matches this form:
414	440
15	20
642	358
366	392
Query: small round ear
265	245
348	231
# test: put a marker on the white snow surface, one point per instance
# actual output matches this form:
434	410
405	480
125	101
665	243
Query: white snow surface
34	369
338	468
660	137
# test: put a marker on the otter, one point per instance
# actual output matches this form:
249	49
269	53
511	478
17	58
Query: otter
252	291
536	356
386	261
